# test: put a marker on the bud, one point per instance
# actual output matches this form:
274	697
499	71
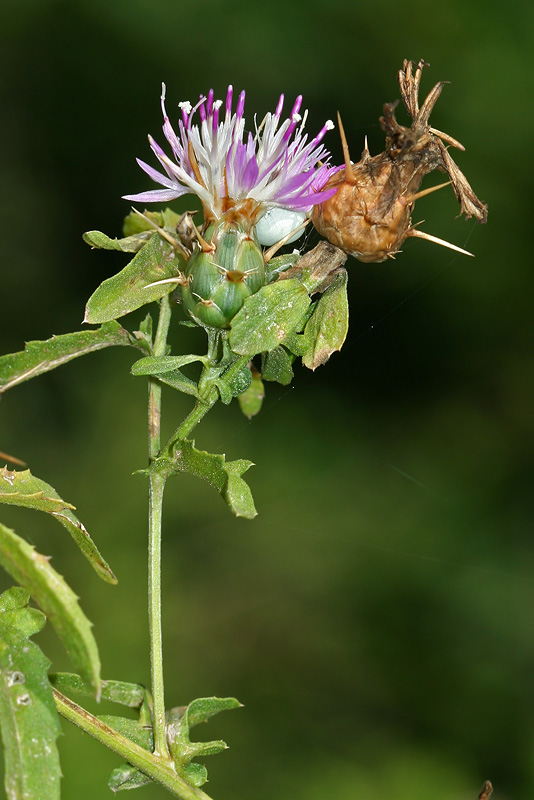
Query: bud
223	271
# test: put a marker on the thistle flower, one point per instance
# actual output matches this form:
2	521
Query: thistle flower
230	170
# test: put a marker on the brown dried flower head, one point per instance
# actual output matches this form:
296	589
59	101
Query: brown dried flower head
369	217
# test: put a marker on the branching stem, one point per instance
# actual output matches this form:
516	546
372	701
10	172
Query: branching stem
156	767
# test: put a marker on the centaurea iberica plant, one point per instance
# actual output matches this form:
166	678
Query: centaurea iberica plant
260	312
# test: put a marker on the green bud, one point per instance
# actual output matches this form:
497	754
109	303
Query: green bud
220	281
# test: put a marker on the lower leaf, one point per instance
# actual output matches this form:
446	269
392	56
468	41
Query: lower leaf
28	717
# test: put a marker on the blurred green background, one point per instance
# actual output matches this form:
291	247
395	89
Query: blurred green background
376	619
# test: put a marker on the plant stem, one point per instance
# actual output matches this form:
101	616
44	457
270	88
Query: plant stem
156	767
157	485
202	407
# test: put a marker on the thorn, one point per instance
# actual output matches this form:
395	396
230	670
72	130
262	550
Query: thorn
204	246
179	281
276	247
13	459
428	236
447	138
365	152
349	174
417	196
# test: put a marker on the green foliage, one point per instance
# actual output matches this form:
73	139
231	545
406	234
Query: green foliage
183	750
134	287
276	366
251	400
268	317
28	717
125	694
56	599
23	489
130	244
225	476
326	329
42	356
135	223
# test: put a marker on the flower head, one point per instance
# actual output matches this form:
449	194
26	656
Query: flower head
229	169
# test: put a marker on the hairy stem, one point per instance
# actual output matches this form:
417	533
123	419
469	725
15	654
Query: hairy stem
156	767
157	485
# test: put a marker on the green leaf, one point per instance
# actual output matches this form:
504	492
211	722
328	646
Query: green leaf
203	708
232	385
42	356
125	694
268	316
131	288
130	728
56	599
127	777
28	717
277	366
180	382
136	223
183	750
250	402
23	489
131	244
327	328
159	365
224	475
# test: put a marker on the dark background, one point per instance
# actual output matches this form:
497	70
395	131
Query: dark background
376	618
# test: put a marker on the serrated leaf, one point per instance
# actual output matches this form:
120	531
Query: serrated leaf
224	475
131	288
125	694
326	330
127	777
268	316
251	400
28	717
277	366
43	356
183	750
130	244
56	599
24	489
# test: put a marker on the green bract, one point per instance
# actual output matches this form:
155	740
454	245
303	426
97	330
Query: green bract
220	281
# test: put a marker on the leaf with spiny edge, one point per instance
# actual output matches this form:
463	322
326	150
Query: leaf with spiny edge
224	475
28	717
56	599
183	750
24	489
42	356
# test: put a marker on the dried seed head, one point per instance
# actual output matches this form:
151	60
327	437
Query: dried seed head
369	217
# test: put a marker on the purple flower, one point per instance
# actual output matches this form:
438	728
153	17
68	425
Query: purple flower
229	169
